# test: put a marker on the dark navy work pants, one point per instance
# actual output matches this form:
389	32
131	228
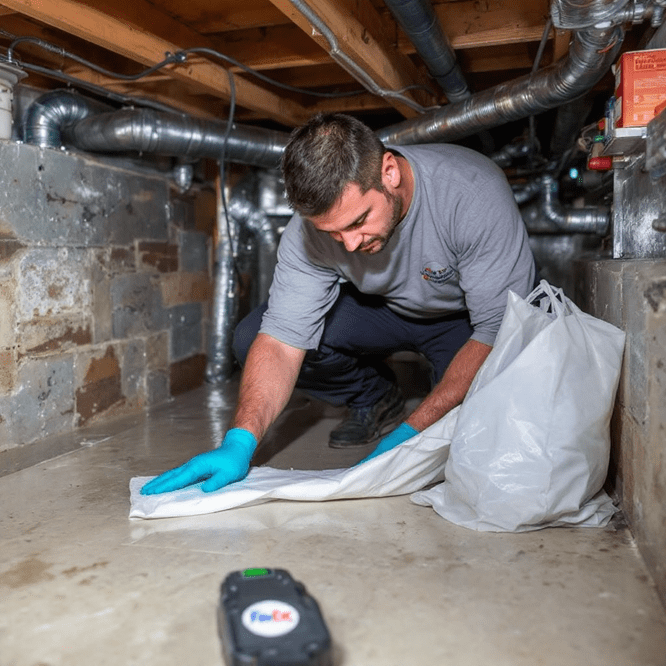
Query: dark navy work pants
360	331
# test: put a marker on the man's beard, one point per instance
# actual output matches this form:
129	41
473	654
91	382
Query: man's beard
396	216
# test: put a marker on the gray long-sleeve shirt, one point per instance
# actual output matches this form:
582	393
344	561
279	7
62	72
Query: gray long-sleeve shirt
461	246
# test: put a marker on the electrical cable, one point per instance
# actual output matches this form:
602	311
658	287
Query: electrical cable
178	57
98	90
535	66
223	174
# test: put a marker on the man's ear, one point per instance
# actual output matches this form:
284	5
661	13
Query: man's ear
391	176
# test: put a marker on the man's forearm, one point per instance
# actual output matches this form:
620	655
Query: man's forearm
453	386
268	379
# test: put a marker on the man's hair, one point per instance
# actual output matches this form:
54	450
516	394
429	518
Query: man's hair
325	155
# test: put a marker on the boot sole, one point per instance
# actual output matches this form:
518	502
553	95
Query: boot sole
387	425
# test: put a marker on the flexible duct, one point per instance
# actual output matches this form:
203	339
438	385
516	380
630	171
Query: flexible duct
144	130
590	55
548	215
418	20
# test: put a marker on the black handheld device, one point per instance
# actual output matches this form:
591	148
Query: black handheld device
266	618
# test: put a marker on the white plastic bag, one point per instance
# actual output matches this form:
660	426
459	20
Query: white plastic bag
532	441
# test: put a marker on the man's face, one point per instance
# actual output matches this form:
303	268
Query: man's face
361	222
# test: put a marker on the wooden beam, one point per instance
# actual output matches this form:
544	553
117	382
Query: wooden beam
207	17
157	88
361	36
497	58
561	44
134	42
273	48
471	24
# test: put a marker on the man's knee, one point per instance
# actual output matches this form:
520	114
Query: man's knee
245	333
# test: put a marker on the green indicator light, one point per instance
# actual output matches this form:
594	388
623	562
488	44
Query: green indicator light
252	573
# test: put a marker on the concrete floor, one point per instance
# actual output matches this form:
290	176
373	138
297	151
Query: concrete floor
81	584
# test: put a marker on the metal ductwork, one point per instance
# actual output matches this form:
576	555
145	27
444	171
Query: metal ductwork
49	114
418	21
575	15
505	156
591	53
59	114
253	219
548	215
242	213
220	363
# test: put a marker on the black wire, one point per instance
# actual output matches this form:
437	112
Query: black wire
223	172
98	90
178	58
171	59
535	67
284	86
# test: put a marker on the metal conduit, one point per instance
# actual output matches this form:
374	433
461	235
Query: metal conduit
348	63
418	20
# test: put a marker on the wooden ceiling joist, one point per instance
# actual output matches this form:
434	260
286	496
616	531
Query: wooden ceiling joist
361	36
138	44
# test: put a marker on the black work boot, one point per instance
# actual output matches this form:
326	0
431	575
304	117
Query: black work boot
366	424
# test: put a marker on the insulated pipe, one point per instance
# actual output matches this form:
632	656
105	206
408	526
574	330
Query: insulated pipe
549	216
590	55
419	22
147	131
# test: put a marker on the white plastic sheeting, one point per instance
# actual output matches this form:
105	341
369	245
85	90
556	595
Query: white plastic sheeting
409	467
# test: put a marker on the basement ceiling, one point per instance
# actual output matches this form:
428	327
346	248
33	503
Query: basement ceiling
494	41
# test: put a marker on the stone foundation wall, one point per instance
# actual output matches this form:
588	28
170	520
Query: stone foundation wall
105	289
632	295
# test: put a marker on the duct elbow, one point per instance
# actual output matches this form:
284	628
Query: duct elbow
49	115
571	220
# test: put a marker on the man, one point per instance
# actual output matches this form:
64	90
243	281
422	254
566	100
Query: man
390	249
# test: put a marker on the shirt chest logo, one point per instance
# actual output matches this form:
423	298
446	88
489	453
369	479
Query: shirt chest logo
436	273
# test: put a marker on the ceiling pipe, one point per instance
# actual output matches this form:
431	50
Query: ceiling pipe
591	53
61	115
419	22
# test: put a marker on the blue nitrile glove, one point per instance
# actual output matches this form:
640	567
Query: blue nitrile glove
401	434
229	463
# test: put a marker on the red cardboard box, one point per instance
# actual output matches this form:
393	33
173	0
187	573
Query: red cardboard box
640	87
